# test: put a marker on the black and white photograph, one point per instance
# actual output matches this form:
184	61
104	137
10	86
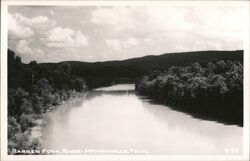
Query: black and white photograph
125	80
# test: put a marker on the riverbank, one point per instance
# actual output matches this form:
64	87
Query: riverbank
34	90
213	91
108	118
34	133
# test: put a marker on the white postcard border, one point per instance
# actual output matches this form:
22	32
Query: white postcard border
4	44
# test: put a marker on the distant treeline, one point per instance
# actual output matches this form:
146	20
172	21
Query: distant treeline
213	90
32	90
104	73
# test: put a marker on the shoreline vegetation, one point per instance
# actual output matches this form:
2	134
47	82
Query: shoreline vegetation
32	92
213	88
212	91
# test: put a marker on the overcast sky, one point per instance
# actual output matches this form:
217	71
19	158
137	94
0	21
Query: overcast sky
97	33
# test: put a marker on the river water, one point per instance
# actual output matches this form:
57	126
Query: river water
114	119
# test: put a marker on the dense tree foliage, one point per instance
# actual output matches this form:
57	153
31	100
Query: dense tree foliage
214	90
105	73
32	90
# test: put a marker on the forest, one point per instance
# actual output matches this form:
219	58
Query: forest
213	87
212	91
105	73
33	90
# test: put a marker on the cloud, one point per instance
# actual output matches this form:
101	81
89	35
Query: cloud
23	30
22	26
154	21
80	39
149	41
17	29
130	42
118	45
23	47
162	29
145	18
41	22
39	52
64	37
91	33
120	17
32	38
114	44
51	12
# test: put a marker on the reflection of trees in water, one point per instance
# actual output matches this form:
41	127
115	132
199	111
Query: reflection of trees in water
191	114
183	122
92	94
103	113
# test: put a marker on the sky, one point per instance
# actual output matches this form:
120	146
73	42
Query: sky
101	33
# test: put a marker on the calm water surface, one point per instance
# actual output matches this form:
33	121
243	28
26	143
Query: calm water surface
116	118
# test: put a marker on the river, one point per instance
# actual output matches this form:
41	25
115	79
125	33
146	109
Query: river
114	120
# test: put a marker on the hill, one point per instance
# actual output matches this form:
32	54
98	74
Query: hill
165	60
134	67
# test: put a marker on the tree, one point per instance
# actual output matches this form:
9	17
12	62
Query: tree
44	87
26	106
33	63
221	67
26	121
13	127
37	103
56	99
198	87
197	69
218	86
15	100
78	84
32	89
215	90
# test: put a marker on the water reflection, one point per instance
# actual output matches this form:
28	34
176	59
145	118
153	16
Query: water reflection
115	118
